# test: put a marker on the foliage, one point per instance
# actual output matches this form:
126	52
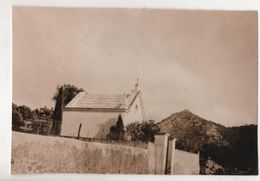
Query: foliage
17	121
212	168
233	148
142	131
57	114
239	156
36	117
64	94
69	91
117	131
44	113
26	112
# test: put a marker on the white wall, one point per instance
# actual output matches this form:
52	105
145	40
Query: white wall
45	154
135	113
186	163
94	124
97	124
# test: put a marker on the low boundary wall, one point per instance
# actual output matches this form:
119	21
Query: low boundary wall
186	163
45	154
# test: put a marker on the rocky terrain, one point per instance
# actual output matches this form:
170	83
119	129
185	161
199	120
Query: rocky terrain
223	150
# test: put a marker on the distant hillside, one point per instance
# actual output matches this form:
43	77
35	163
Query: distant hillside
223	150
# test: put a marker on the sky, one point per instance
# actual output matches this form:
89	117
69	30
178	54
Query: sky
203	61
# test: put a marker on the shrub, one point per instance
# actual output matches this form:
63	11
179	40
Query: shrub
117	132
142	131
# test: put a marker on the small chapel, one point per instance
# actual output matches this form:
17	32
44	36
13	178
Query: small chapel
91	115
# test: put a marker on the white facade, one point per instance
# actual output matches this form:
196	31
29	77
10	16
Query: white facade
94	124
97	113
135	113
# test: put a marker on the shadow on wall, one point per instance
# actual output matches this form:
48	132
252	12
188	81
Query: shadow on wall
104	128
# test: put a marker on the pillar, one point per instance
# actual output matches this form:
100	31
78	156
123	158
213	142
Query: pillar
160	143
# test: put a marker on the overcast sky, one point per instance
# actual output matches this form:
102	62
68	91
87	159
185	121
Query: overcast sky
198	60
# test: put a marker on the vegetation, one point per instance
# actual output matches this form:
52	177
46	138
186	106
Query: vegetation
57	114
64	94
26	112
117	131
69	92
137	131
240	155
26	119
142	131
17	121
40	119
233	148
229	150
44	113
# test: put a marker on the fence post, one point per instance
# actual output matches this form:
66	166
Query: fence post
79	131
151	158
198	165
161	145
171	157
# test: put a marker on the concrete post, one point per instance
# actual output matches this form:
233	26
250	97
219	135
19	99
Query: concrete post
170	157
198	165
151	158
161	144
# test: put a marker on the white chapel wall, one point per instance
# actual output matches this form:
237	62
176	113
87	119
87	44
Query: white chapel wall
94	124
135	112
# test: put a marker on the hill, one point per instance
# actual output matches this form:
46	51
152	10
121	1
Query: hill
223	150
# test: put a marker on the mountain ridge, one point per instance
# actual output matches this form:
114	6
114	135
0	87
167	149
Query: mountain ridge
234	149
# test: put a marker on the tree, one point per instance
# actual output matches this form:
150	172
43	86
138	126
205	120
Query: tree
26	112
117	132
57	115
17	121
44	113
63	96
142	131
69	91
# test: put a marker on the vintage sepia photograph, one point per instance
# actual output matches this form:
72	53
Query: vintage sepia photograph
134	91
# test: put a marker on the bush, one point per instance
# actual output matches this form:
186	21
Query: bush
142	131
117	132
17	121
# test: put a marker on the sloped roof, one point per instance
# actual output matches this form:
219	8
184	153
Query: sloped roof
101	101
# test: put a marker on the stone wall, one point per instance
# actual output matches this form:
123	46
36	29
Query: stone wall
45	154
